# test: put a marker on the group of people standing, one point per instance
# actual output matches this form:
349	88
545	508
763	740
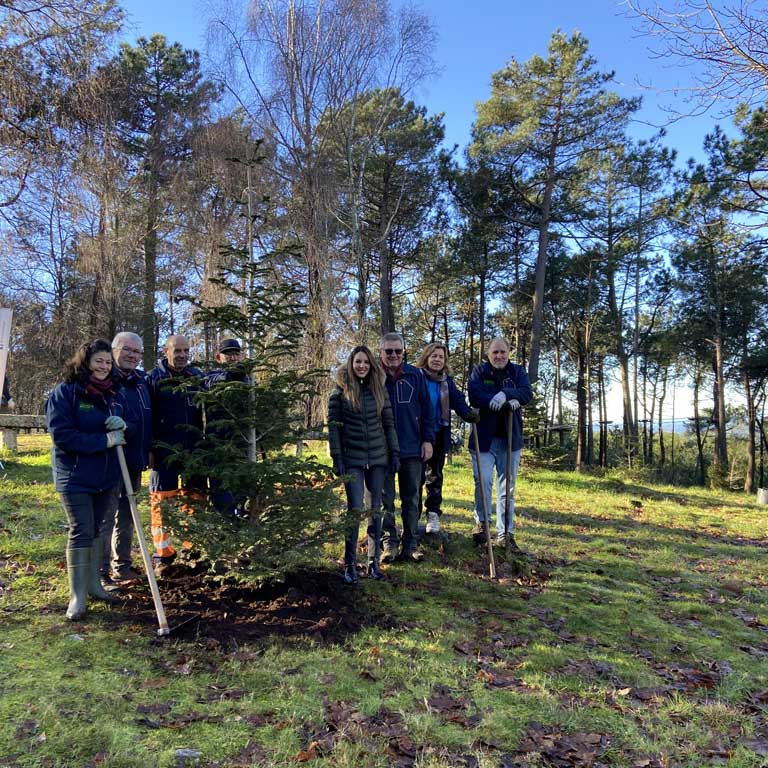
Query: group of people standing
105	401
390	421
388	424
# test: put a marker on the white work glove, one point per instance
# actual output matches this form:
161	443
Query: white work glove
497	401
115	437
513	404
114	422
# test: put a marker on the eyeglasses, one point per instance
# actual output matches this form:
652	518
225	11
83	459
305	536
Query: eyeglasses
389	352
129	351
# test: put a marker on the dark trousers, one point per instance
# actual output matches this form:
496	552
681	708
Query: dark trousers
224	501
409	485
85	513
432	479
363	488
165	479
117	530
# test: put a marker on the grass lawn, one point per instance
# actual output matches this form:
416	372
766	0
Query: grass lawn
639	638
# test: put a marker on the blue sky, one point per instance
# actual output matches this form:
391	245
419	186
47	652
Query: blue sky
477	39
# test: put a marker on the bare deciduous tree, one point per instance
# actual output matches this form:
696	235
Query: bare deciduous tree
730	43
293	66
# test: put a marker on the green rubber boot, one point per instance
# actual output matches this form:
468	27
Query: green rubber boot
94	579
78	571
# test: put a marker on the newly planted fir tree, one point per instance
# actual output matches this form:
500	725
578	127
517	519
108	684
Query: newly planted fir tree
281	507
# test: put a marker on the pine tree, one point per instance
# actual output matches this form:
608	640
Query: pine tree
253	417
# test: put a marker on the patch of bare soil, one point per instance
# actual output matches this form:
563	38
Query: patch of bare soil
308	603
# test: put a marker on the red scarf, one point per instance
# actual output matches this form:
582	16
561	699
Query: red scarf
99	389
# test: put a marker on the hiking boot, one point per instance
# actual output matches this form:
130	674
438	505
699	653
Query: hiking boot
513	546
162	567
415	556
127	574
388	554
374	572
478	533
433	522
108	583
350	574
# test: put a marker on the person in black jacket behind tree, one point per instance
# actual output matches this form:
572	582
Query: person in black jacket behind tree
229	357
363	443
445	397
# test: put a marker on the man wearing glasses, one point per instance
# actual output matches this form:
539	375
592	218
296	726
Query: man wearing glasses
415	426
117	528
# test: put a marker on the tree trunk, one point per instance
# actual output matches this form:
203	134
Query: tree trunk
537	314
483	276
588	395
602	449
581	409
662	397
721	445
697	426
749	479
630	424
386	310
149	324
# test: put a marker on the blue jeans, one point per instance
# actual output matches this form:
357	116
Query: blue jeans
361	479
85	513
496	458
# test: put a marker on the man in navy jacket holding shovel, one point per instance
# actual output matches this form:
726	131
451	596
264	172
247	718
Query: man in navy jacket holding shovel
498	387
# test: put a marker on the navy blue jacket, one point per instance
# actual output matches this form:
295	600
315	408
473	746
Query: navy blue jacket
138	417
412	409
174	411
82	461
213	414
484	383
456	401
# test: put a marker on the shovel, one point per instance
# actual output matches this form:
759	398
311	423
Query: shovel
485	503
508	480
163	630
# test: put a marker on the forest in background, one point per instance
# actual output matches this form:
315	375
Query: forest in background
131	173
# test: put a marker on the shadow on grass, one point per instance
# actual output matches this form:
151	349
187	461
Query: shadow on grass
18	472
635	533
613	485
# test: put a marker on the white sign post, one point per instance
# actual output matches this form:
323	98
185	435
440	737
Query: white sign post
6	315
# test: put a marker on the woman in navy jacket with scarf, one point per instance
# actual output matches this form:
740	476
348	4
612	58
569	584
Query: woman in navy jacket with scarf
85	423
445	397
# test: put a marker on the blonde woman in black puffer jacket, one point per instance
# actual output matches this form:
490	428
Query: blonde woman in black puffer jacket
363	443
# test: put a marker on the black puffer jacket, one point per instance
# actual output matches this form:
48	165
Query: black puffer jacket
361	438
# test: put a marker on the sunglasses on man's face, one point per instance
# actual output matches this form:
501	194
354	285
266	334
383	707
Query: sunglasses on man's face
389	352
